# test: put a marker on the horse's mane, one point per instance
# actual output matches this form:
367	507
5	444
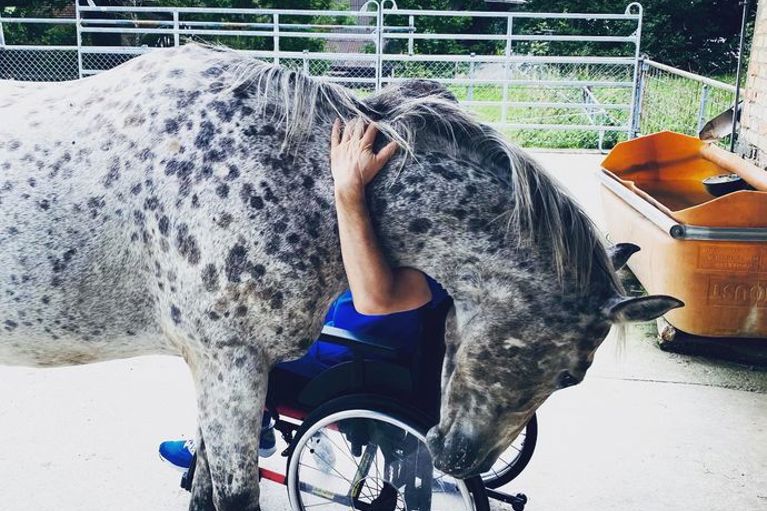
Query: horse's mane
541	209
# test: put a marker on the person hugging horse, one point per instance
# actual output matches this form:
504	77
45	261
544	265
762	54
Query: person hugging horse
383	302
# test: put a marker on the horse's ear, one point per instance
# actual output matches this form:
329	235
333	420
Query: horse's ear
620	253
624	309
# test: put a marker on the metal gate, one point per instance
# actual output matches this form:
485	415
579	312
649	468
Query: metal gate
540	77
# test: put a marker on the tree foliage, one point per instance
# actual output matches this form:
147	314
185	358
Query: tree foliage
697	35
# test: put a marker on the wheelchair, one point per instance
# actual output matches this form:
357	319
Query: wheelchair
355	433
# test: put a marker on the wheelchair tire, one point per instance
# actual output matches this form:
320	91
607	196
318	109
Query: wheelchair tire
411	425
507	468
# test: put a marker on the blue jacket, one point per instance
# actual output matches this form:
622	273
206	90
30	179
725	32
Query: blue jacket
400	330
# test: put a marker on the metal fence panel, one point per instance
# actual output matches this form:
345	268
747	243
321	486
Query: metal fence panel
676	100
528	75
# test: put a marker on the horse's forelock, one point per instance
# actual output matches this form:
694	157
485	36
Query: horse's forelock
408	111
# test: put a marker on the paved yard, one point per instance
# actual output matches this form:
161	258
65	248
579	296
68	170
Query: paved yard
646	431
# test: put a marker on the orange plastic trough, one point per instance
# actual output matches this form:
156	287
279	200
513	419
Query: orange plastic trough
709	252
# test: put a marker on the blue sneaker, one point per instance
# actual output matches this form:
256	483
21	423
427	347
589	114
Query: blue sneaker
178	453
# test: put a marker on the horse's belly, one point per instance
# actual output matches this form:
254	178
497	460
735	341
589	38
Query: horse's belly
70	291
44	351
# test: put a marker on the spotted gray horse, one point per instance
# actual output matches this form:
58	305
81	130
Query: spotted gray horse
182	204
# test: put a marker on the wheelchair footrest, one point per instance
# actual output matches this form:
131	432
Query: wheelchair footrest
517	501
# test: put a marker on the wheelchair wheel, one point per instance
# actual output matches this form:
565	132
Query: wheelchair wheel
514	460
367	453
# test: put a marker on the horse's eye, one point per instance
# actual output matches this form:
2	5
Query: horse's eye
567	380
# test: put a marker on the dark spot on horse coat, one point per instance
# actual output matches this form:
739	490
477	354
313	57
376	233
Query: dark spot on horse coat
241	310
151	203
145	155
164	225
224	110
234	173
114	173
210	277
268	194
222	190
139	217
171	126
213	72
136	189
277	300
10	325
256	202
186	99
69	254
187	244
420	225
249	197
446	173
44	204
224	220
273	245
236	262
258	271
205	135
175	314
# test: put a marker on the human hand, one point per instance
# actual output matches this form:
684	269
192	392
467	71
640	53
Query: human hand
352	160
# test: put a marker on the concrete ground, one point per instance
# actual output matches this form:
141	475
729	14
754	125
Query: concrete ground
646	430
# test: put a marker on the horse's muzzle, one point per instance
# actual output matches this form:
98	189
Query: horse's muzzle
455	454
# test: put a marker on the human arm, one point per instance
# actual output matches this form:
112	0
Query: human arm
376	287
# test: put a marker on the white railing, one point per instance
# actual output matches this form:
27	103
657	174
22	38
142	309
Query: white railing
503	81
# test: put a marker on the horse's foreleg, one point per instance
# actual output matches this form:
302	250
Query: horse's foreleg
232	391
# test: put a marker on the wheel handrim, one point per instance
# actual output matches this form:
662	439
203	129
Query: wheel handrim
383	477
507	460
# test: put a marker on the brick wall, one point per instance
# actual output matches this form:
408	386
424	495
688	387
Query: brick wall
753	134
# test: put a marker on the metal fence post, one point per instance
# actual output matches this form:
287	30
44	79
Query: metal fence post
410	29
638	99
506	64
78	23
276	37
306	62
470	94
379	44
636	104
2	34
704	91
176	38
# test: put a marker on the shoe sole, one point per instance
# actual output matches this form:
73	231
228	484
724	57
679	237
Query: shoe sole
262	453
173	465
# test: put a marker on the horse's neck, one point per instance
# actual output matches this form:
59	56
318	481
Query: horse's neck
435	218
